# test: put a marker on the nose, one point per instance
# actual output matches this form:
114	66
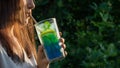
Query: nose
30	4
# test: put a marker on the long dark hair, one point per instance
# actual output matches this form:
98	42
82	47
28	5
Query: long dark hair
12	15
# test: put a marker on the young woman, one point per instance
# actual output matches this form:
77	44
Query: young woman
17	45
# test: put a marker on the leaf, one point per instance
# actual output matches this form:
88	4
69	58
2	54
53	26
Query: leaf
46	25
94	6
111	50
60	3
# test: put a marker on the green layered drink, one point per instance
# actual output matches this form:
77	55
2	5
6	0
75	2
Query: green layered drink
48	35
51	44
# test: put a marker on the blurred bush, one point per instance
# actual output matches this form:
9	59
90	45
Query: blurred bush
91	29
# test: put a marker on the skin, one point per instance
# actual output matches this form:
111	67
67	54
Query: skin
41	60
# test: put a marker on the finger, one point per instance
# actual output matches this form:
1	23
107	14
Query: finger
40	48
62	40
63	46
60	33
41	52
65	53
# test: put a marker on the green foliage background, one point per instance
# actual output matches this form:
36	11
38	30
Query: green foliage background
91	29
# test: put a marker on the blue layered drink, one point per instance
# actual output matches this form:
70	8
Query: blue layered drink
51	44
48	34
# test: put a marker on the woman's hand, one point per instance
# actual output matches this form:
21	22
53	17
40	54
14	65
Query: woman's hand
62	40
41	58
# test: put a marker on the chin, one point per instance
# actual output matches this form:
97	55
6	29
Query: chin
27	18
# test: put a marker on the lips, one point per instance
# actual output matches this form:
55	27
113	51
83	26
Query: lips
28	12
27	15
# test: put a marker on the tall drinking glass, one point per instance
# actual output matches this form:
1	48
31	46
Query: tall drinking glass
48	35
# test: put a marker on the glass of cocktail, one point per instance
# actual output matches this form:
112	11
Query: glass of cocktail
48	35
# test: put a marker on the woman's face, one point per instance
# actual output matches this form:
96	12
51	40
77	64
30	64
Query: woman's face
29	5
